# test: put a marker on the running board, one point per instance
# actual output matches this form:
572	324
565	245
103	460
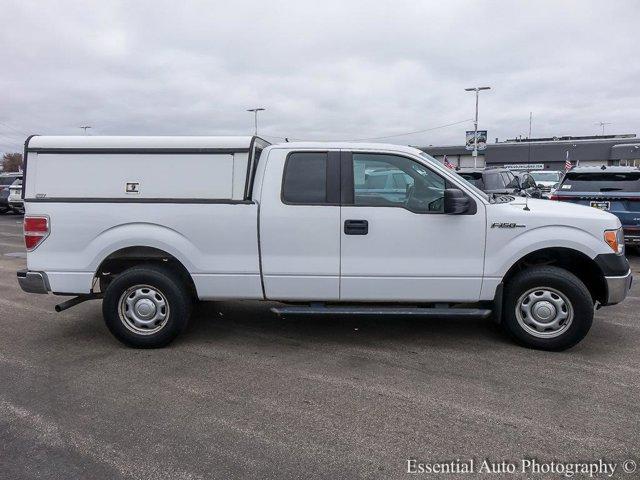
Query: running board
393	311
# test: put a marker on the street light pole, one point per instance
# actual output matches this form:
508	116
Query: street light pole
85	127
475	123
602	124
255	119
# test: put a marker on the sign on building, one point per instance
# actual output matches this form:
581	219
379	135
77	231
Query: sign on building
524	166
482	140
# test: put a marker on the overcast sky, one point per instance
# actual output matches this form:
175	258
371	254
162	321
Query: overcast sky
324	70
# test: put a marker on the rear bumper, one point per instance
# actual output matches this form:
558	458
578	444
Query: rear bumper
618	287
33	282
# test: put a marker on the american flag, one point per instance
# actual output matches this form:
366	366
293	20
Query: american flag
567	163
447	163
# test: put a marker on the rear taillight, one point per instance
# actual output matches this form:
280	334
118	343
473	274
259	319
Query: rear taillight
36	229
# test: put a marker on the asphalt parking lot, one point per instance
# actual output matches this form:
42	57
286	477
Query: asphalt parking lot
243	394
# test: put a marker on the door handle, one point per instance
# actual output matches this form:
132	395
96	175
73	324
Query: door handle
356	227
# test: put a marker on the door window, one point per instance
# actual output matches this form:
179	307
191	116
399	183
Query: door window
394	181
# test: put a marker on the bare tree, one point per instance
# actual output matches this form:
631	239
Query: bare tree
11	162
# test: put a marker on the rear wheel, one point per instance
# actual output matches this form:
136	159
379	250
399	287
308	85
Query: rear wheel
146	306
547	308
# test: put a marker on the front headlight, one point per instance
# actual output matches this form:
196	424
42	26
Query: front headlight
615	239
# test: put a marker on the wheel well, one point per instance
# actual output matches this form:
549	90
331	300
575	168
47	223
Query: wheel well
125	258
573	261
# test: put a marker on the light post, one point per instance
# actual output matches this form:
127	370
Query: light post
602	124
255	113
85	127
475	123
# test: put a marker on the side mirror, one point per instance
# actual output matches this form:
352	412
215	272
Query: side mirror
455	201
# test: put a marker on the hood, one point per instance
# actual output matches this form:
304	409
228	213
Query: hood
565	210
544	213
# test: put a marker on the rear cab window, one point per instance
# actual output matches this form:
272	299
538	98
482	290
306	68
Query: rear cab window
601	182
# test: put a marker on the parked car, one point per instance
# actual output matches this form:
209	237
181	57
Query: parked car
612	189
111	218
547	180
15	196
6	180
498	181
528	185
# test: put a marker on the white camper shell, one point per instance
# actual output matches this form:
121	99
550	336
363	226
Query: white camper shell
206	168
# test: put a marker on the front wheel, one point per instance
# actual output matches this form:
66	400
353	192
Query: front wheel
547	308
146	306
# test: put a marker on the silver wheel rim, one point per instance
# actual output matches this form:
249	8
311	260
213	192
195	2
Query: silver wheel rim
143	309
544	312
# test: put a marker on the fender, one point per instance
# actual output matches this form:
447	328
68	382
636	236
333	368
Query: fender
522	243
140	234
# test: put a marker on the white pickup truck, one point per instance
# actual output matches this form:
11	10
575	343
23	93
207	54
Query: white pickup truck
152	224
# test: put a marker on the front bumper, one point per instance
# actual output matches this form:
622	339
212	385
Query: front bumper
33	282
618	287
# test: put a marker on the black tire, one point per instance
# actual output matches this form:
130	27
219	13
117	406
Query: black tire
556	280
174	300
3	211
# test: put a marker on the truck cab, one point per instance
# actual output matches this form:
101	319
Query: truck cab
323	228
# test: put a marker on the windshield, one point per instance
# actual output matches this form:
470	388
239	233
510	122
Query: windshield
8	180
510	179
494	181
475	178
468	184
546	176
601	182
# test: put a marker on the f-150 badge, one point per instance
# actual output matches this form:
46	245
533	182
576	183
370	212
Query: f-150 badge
507	225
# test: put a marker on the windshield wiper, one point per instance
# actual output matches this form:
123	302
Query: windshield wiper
610	189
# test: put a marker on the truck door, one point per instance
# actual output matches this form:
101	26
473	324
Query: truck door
396	242
300	225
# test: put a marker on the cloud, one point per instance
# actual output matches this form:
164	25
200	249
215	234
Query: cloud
323	70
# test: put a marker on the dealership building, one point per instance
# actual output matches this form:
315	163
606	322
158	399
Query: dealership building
546	153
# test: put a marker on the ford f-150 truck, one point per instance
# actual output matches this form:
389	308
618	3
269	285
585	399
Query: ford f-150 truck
152	224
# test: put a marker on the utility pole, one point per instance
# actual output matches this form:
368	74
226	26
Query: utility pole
530	119
255	118
602	124
475	123
85	127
